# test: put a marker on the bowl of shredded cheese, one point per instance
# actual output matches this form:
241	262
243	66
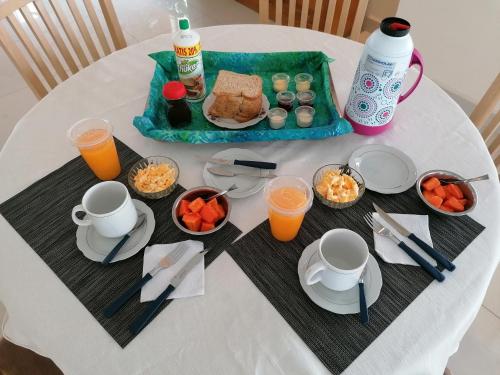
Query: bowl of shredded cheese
154	177
338	186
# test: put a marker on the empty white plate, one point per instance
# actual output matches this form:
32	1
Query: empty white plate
246	185
385	169
346	302
96	247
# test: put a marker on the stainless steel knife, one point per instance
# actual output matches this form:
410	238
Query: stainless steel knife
230	173
142	320
246	163
441	259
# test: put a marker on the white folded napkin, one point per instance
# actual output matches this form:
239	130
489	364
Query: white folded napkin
192	285
392	253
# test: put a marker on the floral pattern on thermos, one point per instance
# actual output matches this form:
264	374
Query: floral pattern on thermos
373	98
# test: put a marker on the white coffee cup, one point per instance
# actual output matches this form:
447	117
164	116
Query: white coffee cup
342	257
109	209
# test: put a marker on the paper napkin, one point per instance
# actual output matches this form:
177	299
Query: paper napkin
392	253
192	285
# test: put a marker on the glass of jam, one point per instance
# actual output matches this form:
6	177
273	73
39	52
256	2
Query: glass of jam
306	97
178	111
285	100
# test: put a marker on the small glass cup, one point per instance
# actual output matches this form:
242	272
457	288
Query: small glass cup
306	97
285	100
94	139
288	199
277	117
304	116
280	81
303	82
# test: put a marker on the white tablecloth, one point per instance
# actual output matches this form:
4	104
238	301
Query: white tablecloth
234	329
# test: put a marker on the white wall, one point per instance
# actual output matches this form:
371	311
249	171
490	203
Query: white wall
459	40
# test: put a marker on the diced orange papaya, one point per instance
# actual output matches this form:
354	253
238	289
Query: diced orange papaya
183	208
427	194
440	192
213	203
463	202
444	207
206	226
454	191
221	211
435	201
209	214
455	204
197	205
192	221
431	183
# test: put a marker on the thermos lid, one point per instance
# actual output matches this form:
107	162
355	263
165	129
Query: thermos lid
395	26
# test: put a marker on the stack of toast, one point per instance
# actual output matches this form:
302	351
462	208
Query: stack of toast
237	96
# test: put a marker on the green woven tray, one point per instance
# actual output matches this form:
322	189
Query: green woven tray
327	122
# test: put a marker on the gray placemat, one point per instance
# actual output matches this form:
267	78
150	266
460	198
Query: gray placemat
337	340
41	214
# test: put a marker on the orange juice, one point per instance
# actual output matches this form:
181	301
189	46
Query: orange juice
285	226
98	149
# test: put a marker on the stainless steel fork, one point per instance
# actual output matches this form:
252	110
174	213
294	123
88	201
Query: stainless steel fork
386	232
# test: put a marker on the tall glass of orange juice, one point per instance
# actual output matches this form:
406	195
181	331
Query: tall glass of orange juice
288	199
94	139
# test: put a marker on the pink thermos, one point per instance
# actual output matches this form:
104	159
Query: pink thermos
376	88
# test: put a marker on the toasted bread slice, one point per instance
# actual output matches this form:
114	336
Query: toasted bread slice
236	84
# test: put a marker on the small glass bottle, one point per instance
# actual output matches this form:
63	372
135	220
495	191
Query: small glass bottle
178	111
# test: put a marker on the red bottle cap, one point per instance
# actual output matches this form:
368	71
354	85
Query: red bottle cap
398	26
174	90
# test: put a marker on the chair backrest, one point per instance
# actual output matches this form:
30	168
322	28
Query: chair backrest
52	39
339	17
486	116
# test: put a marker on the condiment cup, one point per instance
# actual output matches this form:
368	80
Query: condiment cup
203	192
280	81
277	117
467	189
304	116
340	259
285	99
303	82
306	97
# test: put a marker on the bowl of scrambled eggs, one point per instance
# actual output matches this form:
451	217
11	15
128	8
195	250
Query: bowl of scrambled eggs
338	186
154	177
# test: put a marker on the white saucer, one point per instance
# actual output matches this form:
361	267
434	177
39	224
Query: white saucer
230	123
346	302
247	185
385	169
95	247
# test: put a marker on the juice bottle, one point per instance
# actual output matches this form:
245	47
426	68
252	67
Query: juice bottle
187	49
288	199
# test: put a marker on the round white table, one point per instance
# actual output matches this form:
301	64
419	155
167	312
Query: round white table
233	328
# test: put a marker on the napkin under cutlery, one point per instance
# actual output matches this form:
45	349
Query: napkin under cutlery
192	285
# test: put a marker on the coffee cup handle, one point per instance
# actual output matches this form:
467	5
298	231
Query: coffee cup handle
313	273
76	220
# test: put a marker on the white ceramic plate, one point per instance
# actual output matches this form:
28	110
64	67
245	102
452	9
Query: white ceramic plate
385	169
346	302
230	123
95	247
247	185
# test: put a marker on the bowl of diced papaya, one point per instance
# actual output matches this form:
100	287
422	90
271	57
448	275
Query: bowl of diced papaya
447	199
194	212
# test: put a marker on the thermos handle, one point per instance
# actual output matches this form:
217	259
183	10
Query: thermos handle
416	59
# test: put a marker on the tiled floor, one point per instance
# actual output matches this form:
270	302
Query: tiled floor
479	351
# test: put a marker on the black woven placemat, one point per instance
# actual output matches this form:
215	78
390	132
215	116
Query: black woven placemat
337	340
41	214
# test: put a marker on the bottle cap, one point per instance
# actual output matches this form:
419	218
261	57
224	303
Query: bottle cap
183	24
174	90
395	26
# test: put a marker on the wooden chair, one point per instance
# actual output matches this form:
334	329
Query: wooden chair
486	116
339	17
52	60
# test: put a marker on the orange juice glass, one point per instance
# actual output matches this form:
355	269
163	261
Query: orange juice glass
94	139
288	199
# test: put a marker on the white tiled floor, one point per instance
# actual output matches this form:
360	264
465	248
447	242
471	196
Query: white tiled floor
479	351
